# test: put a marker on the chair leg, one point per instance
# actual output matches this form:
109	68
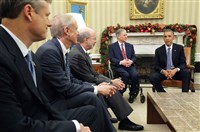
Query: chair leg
142	97
192	89
153	89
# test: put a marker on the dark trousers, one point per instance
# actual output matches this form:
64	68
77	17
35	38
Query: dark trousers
184	75
119	106
86	99
129	76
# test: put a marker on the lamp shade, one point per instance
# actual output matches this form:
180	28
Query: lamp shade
79	19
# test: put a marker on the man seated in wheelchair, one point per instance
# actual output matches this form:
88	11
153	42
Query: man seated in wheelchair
123	63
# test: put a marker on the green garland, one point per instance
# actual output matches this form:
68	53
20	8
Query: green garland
189	38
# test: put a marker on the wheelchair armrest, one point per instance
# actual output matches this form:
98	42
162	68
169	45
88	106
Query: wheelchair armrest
110	74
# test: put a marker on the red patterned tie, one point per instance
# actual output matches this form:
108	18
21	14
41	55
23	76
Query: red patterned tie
123	51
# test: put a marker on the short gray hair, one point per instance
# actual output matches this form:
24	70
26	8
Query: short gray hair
84	33
59	22
119	31
12	8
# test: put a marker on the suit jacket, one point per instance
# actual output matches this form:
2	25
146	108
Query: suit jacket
58	86
23	107
178	57
115	54
81	67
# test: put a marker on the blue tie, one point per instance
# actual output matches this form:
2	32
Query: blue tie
67	67
169	59
31	68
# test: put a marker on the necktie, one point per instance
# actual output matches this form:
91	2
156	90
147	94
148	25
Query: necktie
123	51
31	67
169	59
67	67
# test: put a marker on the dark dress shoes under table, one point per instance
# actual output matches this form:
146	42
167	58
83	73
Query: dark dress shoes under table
130	126
114	120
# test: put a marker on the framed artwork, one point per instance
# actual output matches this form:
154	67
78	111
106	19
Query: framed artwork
78	7
146	9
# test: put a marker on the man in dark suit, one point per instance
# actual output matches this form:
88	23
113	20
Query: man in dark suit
23	106
123	60
170	63
81	67
62	89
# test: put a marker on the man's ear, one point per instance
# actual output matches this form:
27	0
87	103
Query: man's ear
66	30
85	39
28	12
174	37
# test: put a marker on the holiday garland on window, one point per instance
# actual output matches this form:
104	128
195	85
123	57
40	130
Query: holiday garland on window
189	39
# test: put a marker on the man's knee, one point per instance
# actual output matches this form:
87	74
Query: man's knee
156	78
90	96
134	76
90	109
186	73
125	75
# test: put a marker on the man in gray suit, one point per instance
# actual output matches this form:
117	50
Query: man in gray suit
81	67
61	88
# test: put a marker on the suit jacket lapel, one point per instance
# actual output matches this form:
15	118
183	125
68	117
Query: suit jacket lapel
57	44
174	53
20	62
126	49
21	65
87	58
84	54
118	49
164	54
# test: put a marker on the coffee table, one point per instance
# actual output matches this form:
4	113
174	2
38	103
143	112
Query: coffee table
180	111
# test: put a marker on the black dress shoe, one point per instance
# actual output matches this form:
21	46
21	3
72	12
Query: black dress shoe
131	99
114	120
130	126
